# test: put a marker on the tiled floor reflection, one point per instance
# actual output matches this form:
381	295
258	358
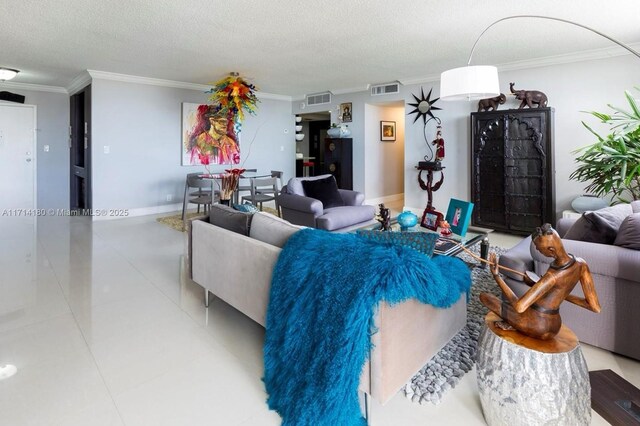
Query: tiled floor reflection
106	329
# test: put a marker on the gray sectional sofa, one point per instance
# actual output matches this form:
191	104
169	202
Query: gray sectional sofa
234	256
616	275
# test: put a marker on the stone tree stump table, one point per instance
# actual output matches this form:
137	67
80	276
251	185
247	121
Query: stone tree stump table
526	381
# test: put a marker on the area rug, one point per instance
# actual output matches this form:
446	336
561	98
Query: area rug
175	221
446	368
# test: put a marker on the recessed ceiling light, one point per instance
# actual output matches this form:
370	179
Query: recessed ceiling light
7	371
7	73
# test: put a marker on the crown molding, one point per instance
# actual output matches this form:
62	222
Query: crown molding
78	83
356	89
265	95
589	55
33	87
420	80
126	78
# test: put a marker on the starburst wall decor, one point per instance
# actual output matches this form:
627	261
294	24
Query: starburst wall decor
423	107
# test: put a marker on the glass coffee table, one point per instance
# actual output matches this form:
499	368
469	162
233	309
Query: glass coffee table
450	245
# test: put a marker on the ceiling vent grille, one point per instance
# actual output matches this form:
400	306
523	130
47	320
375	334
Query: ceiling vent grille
385	89
319	99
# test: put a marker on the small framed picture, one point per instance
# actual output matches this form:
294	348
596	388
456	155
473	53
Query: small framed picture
459	216
388	131
431	219
345	112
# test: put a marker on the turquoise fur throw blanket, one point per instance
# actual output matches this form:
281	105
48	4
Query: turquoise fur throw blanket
324	293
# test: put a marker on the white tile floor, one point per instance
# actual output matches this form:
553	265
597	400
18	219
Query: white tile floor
105	329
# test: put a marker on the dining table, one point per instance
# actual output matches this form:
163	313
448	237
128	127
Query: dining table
228	185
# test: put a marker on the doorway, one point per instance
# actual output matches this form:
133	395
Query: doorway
17	159
310	149
80	152
384	159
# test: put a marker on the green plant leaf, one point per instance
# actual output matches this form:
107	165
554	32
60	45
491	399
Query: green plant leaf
592	131
632	104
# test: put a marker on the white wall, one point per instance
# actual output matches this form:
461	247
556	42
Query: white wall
384	161
142	126
53	130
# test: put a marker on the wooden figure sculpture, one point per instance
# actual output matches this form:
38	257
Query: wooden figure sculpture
384	217
491	104
536	313
529	97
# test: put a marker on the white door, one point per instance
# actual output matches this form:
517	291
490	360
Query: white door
17	157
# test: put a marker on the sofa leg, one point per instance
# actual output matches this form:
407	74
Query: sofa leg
367	408
206	298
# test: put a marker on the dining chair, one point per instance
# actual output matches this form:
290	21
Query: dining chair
278	175
262	190
242	188
204	195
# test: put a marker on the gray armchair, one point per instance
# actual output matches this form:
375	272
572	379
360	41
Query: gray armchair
616	276
299	209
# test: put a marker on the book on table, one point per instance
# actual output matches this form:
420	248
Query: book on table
445	245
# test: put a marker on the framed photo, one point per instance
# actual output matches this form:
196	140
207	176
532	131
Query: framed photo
431	219
459	216
345	112
388	131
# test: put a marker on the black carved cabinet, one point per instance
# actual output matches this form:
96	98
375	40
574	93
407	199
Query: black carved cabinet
338	161
512	169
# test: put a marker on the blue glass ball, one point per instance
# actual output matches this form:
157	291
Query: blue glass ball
407	220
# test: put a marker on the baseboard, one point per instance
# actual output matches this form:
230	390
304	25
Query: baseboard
144	211
386	199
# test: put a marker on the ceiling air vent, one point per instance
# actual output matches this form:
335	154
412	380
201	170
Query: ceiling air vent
385	89
319	99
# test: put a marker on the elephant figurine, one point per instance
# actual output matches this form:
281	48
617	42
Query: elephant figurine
485	104
529	97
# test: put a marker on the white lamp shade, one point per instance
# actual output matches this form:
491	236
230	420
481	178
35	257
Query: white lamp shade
7	73
469	83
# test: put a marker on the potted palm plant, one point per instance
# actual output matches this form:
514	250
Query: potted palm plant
611	165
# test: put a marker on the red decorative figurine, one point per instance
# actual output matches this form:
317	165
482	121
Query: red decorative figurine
439	144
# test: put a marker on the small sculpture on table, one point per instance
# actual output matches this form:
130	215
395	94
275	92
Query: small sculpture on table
529	97
536	314
445	228
384	217
438	143
491	104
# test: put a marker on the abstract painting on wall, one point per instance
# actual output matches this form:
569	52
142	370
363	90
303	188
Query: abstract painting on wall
208	136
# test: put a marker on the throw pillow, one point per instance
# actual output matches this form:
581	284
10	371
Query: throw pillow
246	208
584	230
325	190
629	233
599	226
230	219
271	229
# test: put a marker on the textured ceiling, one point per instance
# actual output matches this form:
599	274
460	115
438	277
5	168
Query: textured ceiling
292	47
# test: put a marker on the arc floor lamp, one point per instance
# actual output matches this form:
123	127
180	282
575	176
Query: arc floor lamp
481	81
